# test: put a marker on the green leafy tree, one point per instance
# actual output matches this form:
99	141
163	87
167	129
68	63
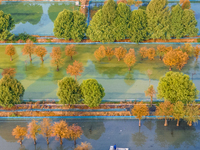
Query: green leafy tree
6	25
68	91
179	111
189	23
158	19
121	21
92	92
138	26
101	26
191	113
175	86
11	91
176	25
70	25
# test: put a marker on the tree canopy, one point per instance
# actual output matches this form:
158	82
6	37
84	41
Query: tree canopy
68	91
92	92
11	91
70	25
175	86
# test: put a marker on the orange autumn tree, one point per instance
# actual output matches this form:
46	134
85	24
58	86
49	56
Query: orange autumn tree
76	69
75	132
70	51
181	59
100	53
160	51
139	110
191	113
120	53
165	110
33	130
19	133
28	49
167	49
129	60
169	59
46	129
60	130
40	52
9	71
84	146
109	53
185	4
56	57
10	51
143	52
151	53
197	51
132	51
150	92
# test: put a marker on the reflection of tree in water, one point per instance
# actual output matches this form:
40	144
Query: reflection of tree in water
93	129
6	128
139	138
56	8
176	136
149	124
35	71
58	75
61	147
129	78
23	12
22	147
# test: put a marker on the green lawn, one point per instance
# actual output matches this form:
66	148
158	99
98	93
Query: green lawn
40	80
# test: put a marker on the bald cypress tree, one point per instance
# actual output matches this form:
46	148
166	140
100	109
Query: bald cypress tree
138	26
176	22
158	19
189	23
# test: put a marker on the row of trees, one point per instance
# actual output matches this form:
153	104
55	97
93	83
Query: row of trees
171	57
59	129
167	110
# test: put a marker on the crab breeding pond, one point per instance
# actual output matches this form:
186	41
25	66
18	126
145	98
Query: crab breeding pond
40	79
152	135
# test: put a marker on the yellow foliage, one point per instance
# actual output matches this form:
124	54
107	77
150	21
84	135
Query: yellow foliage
75	69
100	53
9	71
56	57
143	52
197	51
28	49
120	53
139	110
130	60
84	146
170	59
40	52
19	133
151	53
10	50
46	128
70	50
109	53
160	50
33	130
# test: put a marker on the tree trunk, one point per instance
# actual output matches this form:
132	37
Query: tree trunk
160	58
177	123
118	59
20	141
30	58
34	141
151	100
71	58
109	58
190	123
170	68
60	141
139	122
129	68
42	59
74	141
57	68
75	78
141	58
165	122
10	58
47	141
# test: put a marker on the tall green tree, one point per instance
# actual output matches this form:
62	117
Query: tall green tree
189	23
178	112
68	91
176	86
70	25
138	26
158	19
101	26
6	24
176	22
121	22
92	92
11	91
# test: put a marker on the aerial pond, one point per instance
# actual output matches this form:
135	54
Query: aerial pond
152	135
40	80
